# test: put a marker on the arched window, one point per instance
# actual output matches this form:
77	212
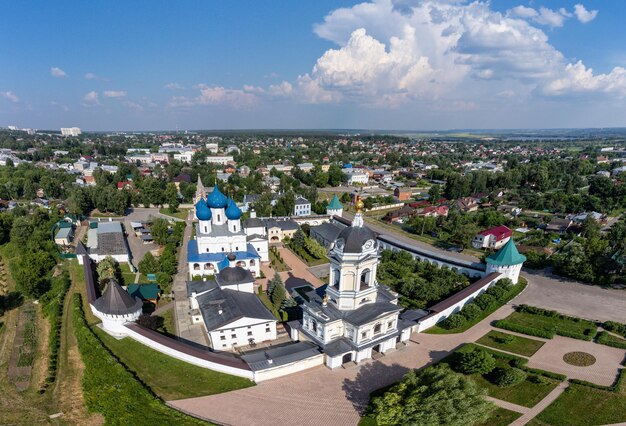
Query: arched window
365	277
252	263
336	276
219	218
196	266
377	328
206	229
207	266
241	263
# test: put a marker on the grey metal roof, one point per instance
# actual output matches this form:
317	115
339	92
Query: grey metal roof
355	237
110	243
117	301
233	275
253	222
81	249
338	347
108	227
357	317
198	286
328	231
281	355
301	201
233	305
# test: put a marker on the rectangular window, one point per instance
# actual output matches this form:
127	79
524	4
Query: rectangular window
390	324
233	336
222	337
249	333
224	345
364	335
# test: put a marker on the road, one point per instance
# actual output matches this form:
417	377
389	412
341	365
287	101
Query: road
379	228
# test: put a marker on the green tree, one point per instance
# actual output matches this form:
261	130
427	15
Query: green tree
276	291
32	273
171	197
107	268
432	397
21	231
508	377
434	193
159	230
476	361
149	264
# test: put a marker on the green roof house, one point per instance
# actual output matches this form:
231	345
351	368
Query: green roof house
506	261
145	292
334	208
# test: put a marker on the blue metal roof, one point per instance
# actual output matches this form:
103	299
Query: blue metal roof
194	256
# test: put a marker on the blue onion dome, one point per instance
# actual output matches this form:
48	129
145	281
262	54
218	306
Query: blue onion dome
232	211
203	212
216	200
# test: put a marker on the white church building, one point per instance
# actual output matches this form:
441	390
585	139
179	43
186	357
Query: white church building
218	233
354	318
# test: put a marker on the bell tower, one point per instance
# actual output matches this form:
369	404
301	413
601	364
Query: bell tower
353	263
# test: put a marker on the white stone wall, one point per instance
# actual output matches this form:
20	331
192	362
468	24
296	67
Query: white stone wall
189	358
223	340
283	370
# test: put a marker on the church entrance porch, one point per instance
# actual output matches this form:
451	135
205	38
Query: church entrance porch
376	353
346	358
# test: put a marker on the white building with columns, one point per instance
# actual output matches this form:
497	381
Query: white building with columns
354	318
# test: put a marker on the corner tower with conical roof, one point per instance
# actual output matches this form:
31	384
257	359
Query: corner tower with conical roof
335	208
507	261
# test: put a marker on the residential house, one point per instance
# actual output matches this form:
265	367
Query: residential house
492	238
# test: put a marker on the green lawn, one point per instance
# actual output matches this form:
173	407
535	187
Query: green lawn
526	394
519	345
585	406
500	417
514	291
168	327
559	324
608	339
168	377
127	276
180	214
277	264
304	256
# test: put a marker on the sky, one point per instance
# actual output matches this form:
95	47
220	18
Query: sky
379	64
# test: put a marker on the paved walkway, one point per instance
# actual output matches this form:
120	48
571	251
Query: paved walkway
541	405
299	274
508	405
184	328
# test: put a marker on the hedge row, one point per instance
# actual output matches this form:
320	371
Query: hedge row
616	387
52	308
111	389
615	327
531	331
533	310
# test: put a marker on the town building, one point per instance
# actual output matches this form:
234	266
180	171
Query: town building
356	176
492	238
106	239
232	314
354	318
219	159
70	131
302	207
403	193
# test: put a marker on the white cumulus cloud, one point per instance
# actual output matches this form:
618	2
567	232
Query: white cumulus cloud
173	86
10	96
90	76
583	14
57	72
91	98
577	78
216	95
114	93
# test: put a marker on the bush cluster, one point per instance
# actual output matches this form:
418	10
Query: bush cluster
588	334
477	361
508	377
495	296
52	307
110	389
615	327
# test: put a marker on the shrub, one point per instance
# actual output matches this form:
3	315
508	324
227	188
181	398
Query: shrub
477	361
471	311
511	326
453	321
505	339
505	283
508	377
537	379
615	327
498	292
485	301
605	338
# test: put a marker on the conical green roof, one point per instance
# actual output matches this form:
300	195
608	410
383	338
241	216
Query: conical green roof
507	255
335	204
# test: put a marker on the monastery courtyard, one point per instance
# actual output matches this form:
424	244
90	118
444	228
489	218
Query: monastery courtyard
323	396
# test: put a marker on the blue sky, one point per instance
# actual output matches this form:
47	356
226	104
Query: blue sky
383	64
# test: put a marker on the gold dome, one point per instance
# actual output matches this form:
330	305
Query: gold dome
359	204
